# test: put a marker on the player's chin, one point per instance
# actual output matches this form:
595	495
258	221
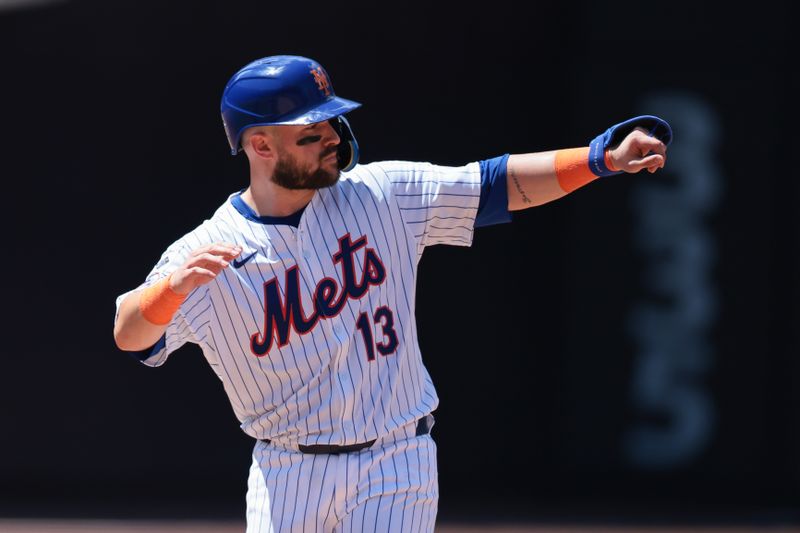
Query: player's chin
324	177
333	177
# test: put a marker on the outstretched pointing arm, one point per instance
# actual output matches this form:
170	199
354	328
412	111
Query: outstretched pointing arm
541	177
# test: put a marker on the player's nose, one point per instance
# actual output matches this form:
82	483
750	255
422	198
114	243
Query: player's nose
330	135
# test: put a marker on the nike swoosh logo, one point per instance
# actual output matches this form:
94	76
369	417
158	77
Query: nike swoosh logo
238	263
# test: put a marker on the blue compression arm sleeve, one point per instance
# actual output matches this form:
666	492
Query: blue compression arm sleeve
493	205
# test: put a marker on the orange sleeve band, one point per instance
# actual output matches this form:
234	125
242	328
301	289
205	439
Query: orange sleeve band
158	302
572	168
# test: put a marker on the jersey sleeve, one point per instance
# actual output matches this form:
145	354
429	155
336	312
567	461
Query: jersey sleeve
438	203
187	324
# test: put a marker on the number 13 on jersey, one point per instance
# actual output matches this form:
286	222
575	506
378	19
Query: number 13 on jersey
387	342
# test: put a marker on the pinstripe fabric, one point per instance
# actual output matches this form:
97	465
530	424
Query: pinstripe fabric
334	358
390	487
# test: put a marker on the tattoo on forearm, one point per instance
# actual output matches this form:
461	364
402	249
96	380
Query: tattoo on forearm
525	198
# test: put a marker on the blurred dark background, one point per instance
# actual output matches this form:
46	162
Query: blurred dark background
629	350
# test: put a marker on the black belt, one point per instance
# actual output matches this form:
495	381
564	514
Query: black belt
424	425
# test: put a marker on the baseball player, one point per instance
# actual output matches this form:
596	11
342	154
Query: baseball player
300	292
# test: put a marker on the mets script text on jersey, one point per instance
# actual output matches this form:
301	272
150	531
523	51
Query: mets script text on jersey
329	299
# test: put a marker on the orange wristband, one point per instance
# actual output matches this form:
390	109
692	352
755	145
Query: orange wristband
158	302
572	168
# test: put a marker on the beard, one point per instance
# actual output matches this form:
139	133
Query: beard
289	175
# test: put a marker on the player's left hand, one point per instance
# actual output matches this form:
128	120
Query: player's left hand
631	155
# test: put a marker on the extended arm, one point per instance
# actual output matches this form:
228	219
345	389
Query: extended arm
541	177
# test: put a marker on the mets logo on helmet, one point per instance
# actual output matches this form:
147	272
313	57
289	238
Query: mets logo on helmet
322	80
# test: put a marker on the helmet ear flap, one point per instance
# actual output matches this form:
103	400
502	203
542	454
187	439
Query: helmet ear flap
347	153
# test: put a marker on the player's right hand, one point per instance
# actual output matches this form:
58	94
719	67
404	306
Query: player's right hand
202	266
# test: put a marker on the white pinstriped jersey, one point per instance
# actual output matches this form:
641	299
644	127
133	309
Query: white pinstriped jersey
314	337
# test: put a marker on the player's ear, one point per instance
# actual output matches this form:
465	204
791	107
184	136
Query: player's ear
259	143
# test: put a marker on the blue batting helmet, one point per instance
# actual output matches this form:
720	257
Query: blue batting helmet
284	90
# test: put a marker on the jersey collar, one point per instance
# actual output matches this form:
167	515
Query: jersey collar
247	212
